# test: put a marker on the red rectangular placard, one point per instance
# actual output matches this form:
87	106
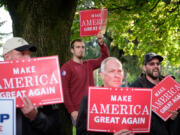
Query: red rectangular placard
92	22
113	109
166	96
38	78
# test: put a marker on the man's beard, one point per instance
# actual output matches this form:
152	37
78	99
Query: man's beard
80	57
150	74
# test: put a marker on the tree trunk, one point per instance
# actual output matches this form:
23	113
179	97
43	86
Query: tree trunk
47	25
44	23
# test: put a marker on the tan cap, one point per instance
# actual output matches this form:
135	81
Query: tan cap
17	43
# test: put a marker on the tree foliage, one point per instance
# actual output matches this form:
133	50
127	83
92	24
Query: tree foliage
1	33
137	27
142	26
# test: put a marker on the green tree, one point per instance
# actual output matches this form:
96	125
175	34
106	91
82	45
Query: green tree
141	26
138	27
1	33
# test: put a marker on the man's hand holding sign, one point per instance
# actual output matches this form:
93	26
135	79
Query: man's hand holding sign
30	79
29	110
31	84
100	38
166	98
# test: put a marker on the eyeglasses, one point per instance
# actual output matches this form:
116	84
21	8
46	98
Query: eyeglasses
154	63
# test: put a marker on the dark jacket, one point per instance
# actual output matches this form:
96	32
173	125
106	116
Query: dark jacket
47	122
158	126
82	120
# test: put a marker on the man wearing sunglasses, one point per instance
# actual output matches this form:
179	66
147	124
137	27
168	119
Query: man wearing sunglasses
151	67
148	79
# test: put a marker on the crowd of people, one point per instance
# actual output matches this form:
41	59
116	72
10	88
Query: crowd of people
77	76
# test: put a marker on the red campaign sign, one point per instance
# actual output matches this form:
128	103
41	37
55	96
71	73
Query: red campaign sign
166	96
37	78
113	109
92	22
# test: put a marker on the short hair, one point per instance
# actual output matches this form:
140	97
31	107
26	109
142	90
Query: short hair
75	40
104	62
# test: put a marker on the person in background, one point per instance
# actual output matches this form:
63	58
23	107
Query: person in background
31	120
148	79
112	76
77	74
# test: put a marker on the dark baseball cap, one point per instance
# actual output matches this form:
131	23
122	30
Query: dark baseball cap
150	56
31	48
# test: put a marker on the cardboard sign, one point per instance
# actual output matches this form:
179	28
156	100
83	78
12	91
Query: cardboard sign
37	78
92	22
166	96
7	116
113	109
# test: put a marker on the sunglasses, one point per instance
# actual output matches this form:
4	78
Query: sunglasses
154	63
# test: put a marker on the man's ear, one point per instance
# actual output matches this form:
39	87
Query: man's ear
144	68
102	75
5	56
72	50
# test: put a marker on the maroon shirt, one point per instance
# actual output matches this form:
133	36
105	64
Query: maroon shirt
77	77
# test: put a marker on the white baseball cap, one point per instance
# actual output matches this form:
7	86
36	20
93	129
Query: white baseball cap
19	44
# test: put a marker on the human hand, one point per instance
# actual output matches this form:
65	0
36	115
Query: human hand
100	38
123	132
174	114
29	110
74	114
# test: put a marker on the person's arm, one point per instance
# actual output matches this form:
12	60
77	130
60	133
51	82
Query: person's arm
29	110
95	63
66	77
40	121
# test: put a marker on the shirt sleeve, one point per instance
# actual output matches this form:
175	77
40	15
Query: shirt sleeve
95	63
66	76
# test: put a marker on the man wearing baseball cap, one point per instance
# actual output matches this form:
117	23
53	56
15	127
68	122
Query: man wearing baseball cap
148	79
17	48
151	67
31	120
